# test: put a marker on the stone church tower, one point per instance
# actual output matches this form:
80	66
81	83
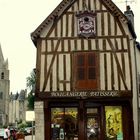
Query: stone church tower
4	90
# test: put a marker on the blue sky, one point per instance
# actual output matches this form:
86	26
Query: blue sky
18	18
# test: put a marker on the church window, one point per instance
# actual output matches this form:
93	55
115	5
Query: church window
2	75
1	95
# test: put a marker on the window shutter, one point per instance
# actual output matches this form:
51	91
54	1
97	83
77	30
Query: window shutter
85	71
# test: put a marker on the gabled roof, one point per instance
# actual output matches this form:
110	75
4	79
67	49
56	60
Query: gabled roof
64	5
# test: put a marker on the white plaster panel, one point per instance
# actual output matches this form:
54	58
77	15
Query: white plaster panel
86	45
54	86
115	74
72	45
93	45
59	28
99	24
97	5
127	71
112	23
106	23
64	25
66	45
43	46
61	71
109	72
79	45
102	72
70	23
49	46
42	71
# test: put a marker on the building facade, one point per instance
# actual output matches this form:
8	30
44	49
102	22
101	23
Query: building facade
4	90
137	51
17	107
86	69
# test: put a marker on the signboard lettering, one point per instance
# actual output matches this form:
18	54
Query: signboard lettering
85	94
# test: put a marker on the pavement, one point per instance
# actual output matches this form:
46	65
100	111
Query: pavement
30	137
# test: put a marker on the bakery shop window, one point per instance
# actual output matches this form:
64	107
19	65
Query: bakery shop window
64	123
114	127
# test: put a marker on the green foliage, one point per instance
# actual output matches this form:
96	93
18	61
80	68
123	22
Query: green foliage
22	125
31	80
30	99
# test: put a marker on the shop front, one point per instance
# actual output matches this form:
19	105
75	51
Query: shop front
83	118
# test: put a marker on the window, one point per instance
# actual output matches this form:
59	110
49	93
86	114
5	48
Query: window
2	75
64	123
1	95
114	126
85	70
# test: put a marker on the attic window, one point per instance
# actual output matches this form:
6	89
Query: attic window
86	23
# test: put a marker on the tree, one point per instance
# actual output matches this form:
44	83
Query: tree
30	99
31	80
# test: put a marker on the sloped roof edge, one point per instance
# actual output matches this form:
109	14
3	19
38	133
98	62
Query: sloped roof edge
115	10
51	17
108	3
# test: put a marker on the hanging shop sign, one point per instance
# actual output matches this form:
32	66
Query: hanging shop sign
86	23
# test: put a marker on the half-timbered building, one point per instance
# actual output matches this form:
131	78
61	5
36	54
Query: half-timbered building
86	86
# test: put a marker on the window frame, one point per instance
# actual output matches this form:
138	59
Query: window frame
86	83
2	75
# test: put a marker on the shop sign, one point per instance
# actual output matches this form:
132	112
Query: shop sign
86	23
85	94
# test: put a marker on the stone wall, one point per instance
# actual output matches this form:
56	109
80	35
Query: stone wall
39	120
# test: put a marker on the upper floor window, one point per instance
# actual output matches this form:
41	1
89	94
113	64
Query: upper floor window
1	95
2	75
86	69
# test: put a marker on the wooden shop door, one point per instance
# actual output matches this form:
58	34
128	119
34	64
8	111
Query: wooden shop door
93	124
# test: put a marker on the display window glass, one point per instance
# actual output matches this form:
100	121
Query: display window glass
114	128
93	124
64	124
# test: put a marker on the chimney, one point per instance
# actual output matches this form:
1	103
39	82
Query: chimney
129	14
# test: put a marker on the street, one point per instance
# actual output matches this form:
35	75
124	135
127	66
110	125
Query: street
30	137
